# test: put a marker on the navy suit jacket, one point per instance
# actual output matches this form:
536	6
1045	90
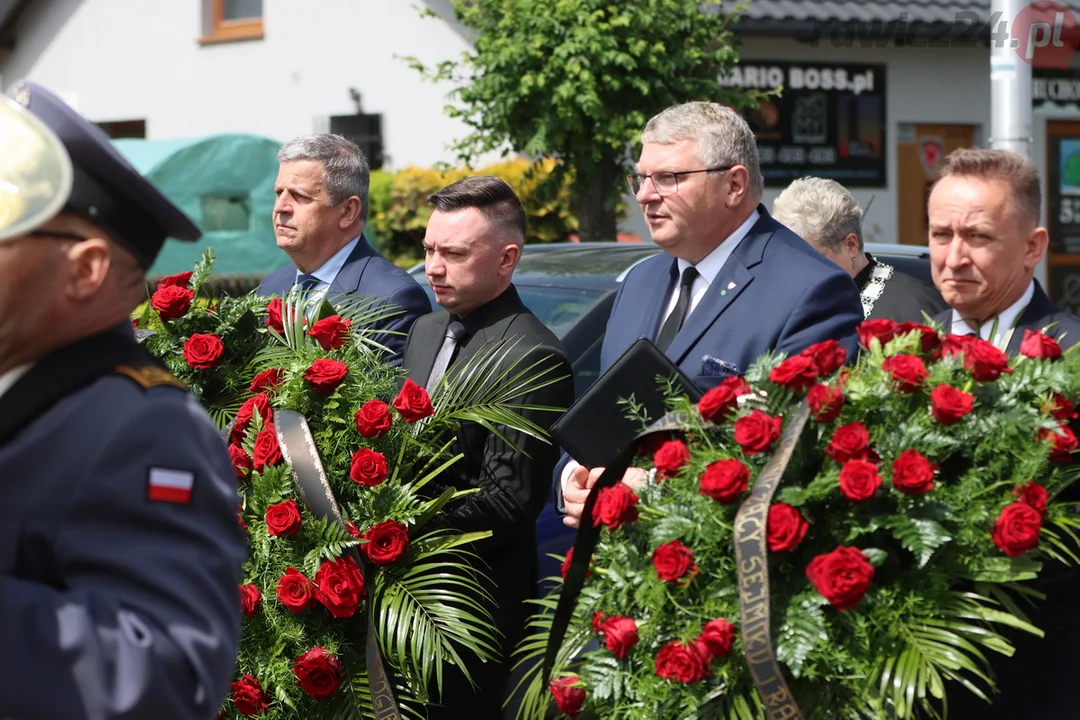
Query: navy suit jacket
775	292
366	273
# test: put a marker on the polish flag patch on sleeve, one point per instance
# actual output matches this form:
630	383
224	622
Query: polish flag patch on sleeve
167	485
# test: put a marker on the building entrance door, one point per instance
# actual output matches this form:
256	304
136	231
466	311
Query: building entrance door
920	149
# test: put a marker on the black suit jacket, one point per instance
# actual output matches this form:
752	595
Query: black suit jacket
366	273
513	487
1036	681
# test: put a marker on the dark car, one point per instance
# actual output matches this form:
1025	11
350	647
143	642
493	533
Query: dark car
571	287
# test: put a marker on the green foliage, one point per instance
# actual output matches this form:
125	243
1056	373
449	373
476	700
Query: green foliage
430	601
942	589
576	80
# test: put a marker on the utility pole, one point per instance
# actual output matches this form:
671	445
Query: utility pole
1010	82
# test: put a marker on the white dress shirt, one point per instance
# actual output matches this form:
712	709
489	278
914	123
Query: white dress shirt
11	376
1005	321
329	270
709	267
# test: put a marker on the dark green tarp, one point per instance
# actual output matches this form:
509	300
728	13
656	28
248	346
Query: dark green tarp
225	183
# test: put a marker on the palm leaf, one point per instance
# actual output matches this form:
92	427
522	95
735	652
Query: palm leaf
941	645
428	610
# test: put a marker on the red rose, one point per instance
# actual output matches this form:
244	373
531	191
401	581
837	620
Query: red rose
1039	346
373	419
929	340
859	480
949	405
842	576
620	635
827	357
172	302
849	442
273	316
203	351
912	473
615	506
682	662
1017	529
1059	407
826	402
250	600
883	329
725	480
368	467
757	432
283	519
339	586
598	619
671	456
1032	494
723	399
324	375
295	591
266	452
331	332
241	461
1064	443
907	371
785	528
386	542
569	559
672	560
718	636
795	373
954	344
984	361
261	403
240	517
413	402
179	280
318	672
248	696
267	380
568	699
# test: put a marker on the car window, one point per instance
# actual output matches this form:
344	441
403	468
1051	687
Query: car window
559	308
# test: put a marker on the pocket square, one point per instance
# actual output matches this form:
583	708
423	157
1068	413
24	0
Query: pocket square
711	367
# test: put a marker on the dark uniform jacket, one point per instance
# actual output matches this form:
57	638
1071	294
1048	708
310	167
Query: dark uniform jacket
120	550
887	293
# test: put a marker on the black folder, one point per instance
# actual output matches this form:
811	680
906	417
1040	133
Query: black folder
595	429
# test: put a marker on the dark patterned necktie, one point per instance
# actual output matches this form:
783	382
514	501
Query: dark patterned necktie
675	320
307	282
455	332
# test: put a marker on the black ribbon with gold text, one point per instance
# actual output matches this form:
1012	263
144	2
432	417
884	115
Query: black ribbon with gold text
299	451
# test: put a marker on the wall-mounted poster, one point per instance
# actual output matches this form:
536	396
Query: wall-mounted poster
1063	186
829	121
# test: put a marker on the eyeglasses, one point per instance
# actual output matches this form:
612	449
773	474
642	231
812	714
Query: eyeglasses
666	183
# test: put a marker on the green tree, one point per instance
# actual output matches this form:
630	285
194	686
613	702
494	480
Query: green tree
576	80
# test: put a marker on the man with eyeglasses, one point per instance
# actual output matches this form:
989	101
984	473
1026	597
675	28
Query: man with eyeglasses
120	551
732	283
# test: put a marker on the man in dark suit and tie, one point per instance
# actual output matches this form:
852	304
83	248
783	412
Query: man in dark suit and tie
732	282
985	242
472	244
319	218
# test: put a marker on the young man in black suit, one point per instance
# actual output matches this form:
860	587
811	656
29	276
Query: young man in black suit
985	242
472	244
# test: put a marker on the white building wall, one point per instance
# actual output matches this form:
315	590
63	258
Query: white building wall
140	59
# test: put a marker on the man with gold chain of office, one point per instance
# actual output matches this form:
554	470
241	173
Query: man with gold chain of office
120	552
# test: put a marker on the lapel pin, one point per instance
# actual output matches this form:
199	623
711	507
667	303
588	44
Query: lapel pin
723	292
731	286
